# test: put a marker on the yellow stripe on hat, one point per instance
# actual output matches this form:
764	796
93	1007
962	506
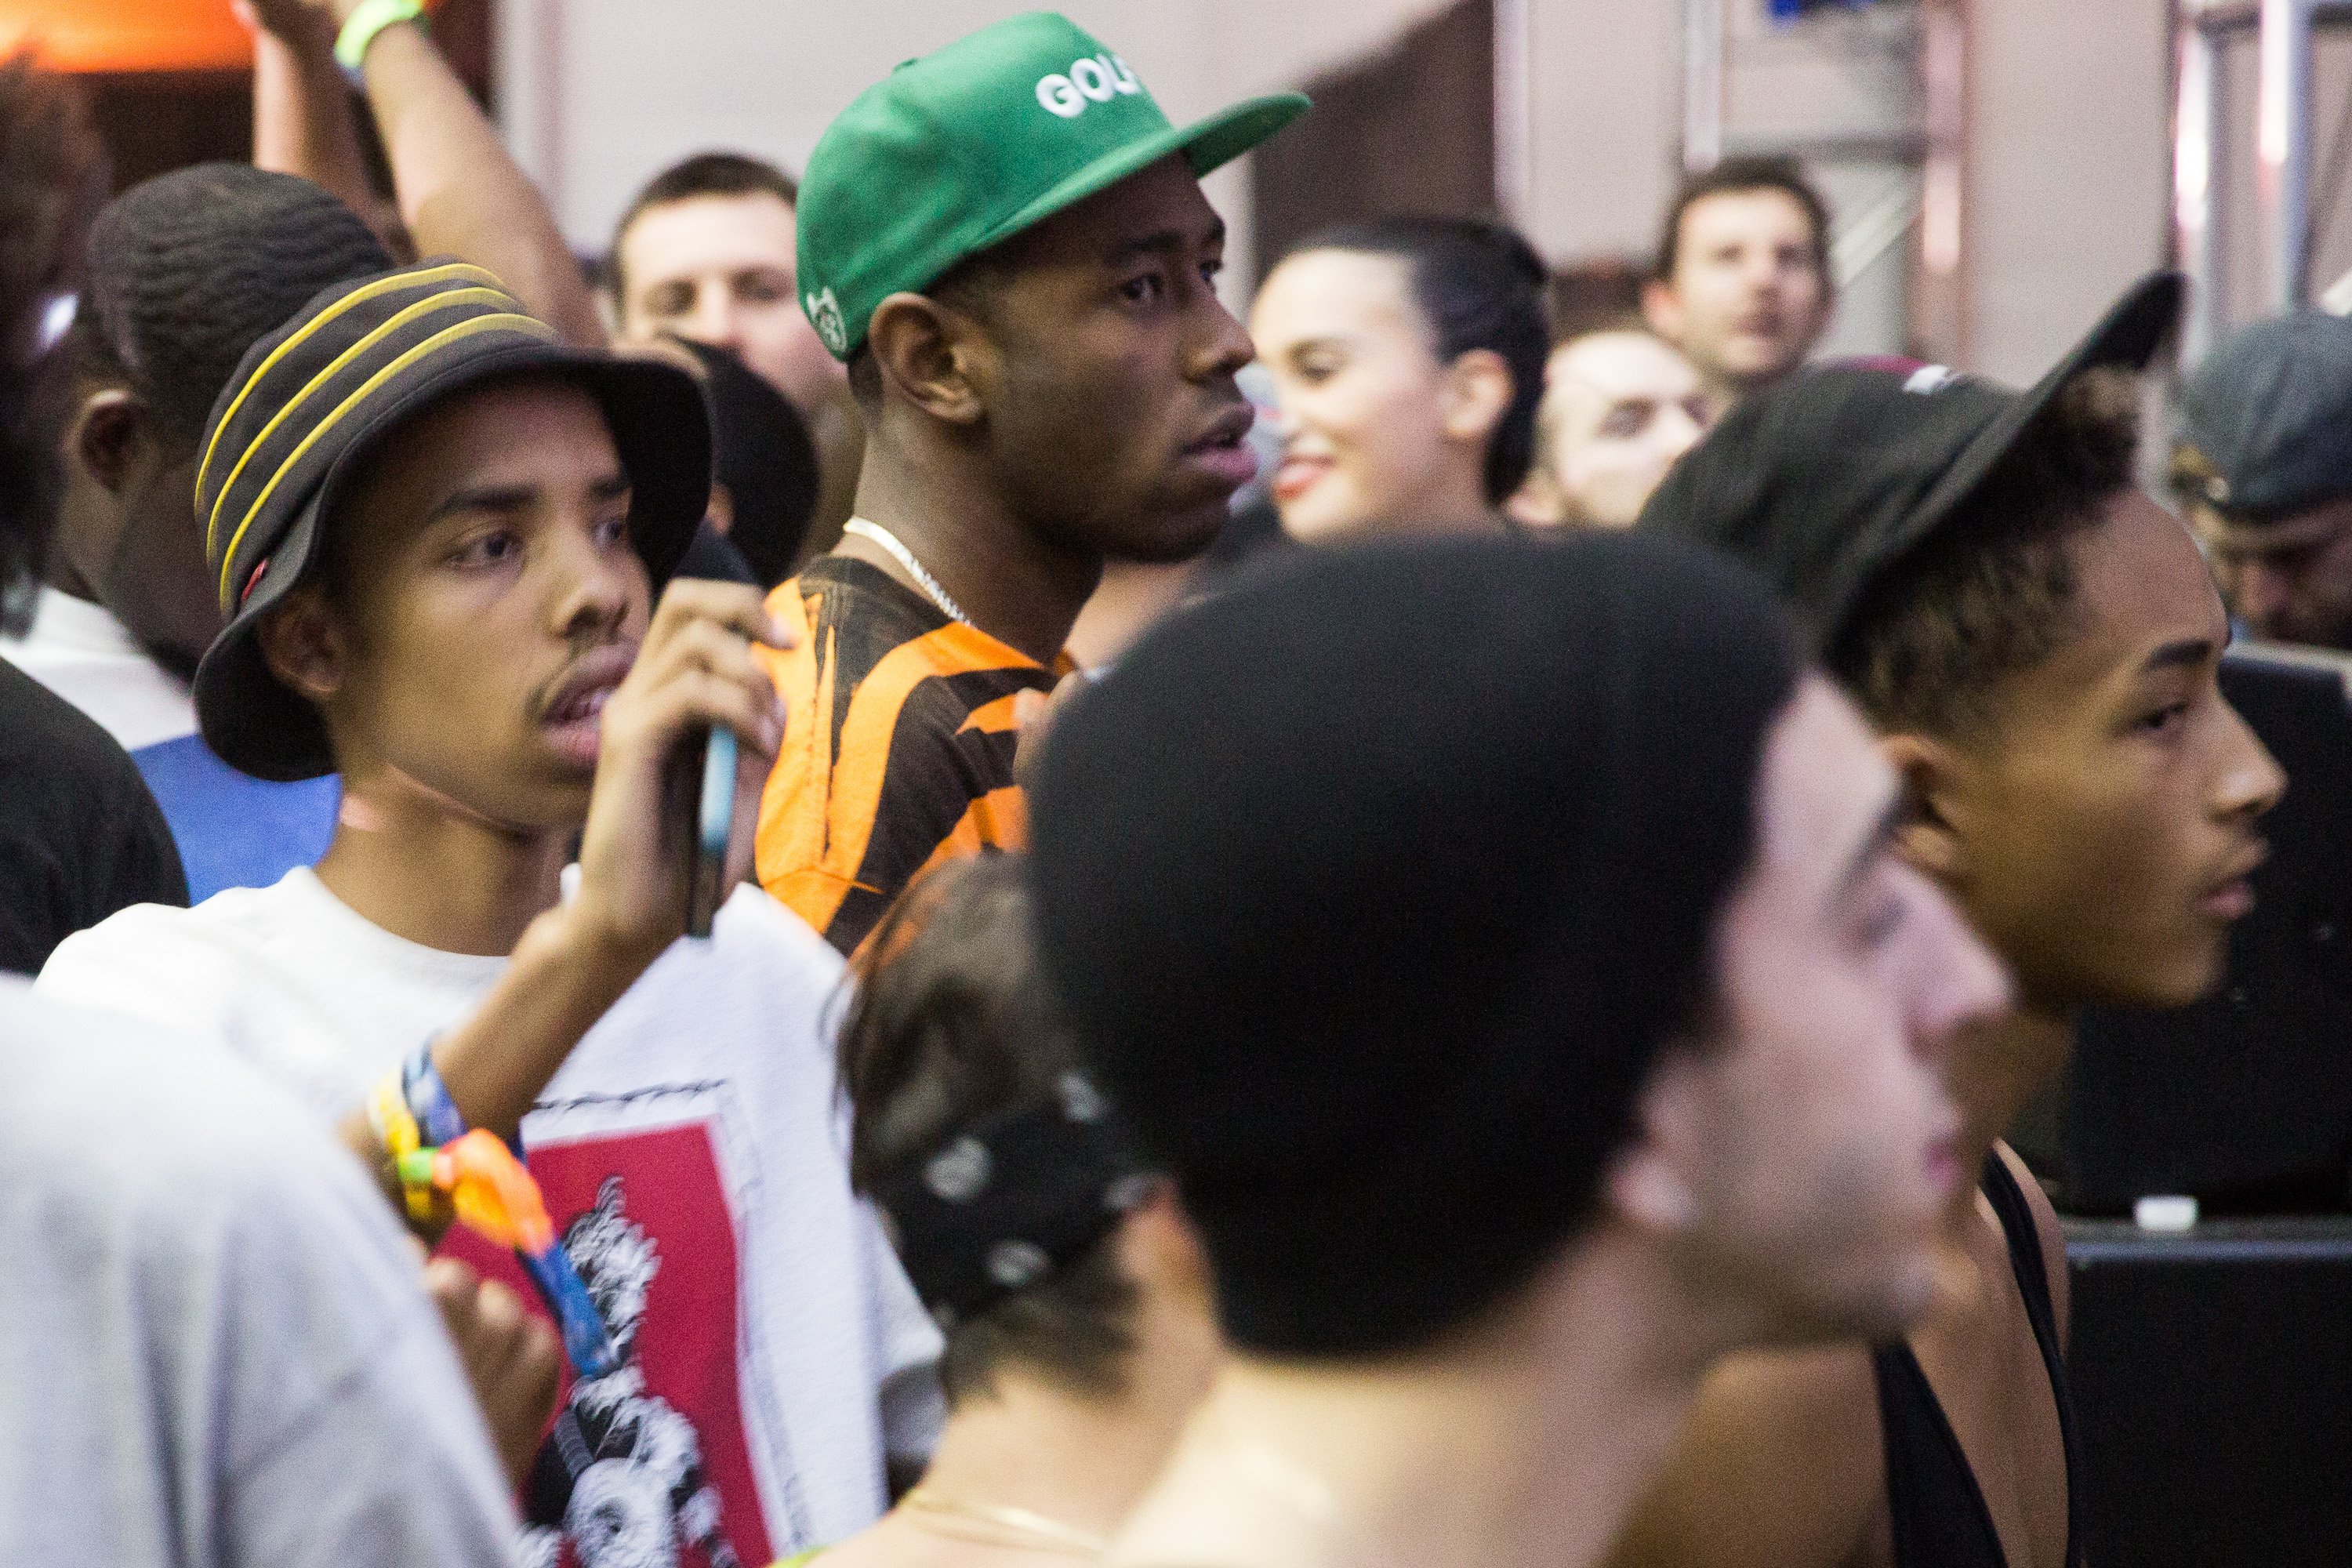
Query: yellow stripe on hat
531	325
422	308
365	291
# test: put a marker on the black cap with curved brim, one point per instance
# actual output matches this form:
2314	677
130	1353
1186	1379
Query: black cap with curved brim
1827	479
312	400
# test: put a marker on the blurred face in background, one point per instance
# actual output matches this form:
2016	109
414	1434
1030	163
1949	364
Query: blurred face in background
2288	579
1379	434
1749	296
1620	408
722	271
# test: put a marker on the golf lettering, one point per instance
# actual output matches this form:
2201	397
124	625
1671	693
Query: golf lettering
1097	79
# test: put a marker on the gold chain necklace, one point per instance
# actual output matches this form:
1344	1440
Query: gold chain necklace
992	1524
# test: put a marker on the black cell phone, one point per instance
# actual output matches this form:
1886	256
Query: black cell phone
708	833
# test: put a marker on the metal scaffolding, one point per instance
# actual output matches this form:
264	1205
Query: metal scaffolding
2282	30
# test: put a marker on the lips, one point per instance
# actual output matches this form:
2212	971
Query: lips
1223	449
1298	474
2231	897
572	713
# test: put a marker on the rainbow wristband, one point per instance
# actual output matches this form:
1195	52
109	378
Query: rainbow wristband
428	1101
395	1125
360	29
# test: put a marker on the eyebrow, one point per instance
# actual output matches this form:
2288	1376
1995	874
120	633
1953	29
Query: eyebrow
1891	817
2186	654
1165	241
514	497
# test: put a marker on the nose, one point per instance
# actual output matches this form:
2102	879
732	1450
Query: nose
2249	781
593	590
1223	345
714	320
1678	431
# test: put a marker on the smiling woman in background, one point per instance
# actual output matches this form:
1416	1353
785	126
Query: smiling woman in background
1408	357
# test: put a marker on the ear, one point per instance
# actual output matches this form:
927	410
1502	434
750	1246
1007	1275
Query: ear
721	512
926	352
305	647
1933	777
109	434
1648	1183
1158	1244
1662	309
1477	395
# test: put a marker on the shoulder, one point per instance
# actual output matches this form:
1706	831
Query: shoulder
80	763
159	959
2048	1232
109	1109
1781	1464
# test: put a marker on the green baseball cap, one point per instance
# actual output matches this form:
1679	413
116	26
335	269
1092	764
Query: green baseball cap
966	147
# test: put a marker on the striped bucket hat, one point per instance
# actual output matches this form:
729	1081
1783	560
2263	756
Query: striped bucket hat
309	400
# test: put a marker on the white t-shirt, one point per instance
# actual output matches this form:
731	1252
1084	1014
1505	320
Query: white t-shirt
218	1349
691	1152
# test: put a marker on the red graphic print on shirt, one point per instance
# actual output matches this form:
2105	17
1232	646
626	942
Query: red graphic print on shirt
650	1464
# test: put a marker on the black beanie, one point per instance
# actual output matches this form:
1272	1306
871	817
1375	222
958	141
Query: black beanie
760	451
1374	888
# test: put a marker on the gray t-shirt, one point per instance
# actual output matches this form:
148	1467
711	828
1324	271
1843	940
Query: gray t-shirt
215	1344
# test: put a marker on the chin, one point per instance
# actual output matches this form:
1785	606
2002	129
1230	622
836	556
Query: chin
1172	537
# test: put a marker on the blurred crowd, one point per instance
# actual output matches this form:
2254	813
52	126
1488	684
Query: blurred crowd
869	882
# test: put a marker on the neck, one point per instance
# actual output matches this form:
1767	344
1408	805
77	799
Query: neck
426	868
1079	1462
1528	1443
1455	504
1008	580
1999	1068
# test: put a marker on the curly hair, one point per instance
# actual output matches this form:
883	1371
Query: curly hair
52	177
1993	592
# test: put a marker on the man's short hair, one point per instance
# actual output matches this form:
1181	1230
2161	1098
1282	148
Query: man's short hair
52	172
704	174
1991	593
951	1025
1741	175
191	269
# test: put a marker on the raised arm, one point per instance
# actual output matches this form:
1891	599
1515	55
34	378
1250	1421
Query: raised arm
460	192
302	122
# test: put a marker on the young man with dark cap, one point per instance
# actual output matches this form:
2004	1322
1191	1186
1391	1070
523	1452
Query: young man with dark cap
1505	1098
1007	243
437	535
1742	282
2036	642
2263	463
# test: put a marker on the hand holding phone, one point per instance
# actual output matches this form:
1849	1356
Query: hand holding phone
714	822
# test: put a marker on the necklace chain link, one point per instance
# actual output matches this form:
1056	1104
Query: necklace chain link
906	557
1000	1526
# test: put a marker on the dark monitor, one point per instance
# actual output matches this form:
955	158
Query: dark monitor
2244	1100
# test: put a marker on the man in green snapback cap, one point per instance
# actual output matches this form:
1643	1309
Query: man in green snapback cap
1007	242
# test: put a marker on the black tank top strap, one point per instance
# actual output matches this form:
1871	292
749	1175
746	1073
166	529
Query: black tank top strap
2030	1264
1937	1509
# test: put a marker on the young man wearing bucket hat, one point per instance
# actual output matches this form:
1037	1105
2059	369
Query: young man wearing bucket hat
2036	642
1007	243
438	535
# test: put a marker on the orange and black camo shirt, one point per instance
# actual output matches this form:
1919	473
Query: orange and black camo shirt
897	751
